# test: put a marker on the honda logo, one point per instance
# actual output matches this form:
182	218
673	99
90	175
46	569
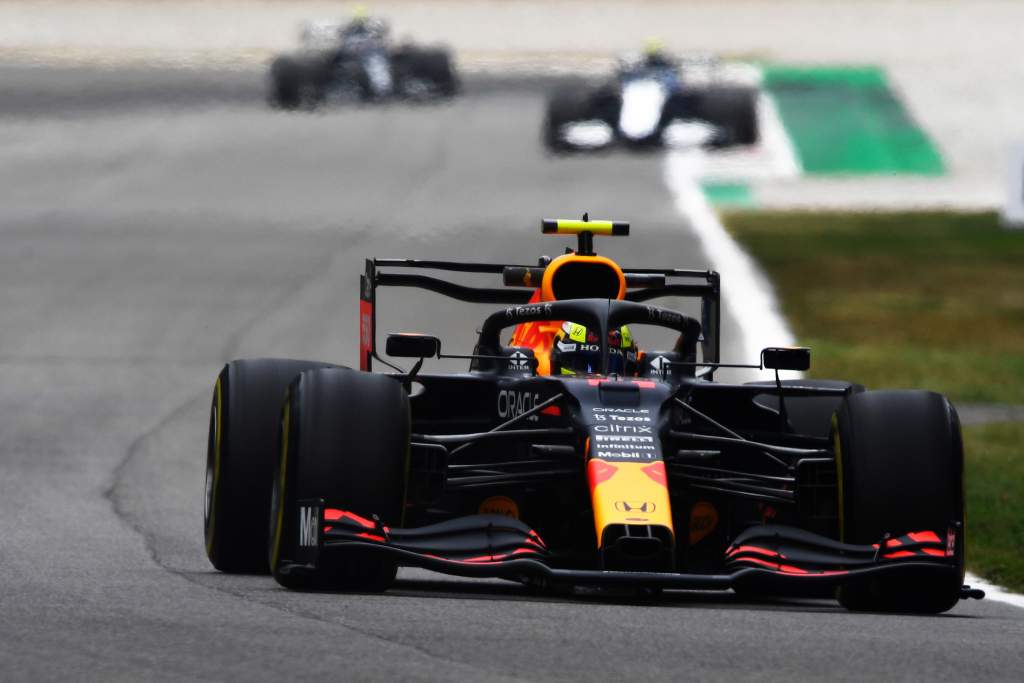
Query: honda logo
634	506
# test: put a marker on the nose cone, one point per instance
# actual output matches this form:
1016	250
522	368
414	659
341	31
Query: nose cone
643	100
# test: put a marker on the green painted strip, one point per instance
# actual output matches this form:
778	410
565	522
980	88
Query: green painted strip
729	195
846	120
828	76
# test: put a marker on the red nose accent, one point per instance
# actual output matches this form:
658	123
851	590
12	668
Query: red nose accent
656	471
599	471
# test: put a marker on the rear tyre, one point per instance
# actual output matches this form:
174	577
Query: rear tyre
240	458
899	457
344	439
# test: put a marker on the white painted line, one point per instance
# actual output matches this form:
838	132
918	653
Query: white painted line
775	138
994	592
747	294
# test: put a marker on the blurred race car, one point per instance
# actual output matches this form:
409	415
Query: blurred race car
357	61
571	455
654	100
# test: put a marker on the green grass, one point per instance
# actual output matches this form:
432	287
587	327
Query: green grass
929	300
995	496
916	300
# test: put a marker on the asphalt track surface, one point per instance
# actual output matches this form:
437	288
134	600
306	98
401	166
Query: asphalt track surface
156	224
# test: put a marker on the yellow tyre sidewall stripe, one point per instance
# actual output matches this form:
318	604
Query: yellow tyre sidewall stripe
218	424
837	445
279	523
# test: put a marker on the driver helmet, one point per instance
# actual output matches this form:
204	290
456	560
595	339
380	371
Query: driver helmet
577	351
655	54
364	25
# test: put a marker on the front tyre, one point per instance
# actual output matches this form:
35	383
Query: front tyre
569	104
899	457
288	80
344	440
240	458
436	67
731	109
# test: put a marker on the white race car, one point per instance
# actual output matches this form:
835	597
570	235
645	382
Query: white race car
655	100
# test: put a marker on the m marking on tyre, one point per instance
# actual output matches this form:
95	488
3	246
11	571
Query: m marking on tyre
308	531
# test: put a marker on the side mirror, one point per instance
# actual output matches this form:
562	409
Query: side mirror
413	345
786	358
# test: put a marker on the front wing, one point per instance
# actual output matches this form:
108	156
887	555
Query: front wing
769	558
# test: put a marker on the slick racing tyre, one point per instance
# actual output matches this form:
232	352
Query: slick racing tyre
810	415
435	66
576	102
733	110
344	440
424	72
289	81
240	458
899	457
301	81
567	105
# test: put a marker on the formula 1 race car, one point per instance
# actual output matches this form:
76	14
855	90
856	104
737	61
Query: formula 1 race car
567	455
652	101
357	62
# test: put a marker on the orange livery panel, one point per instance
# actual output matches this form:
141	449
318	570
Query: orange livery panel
624	492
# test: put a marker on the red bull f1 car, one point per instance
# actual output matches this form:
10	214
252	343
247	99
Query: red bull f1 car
567	455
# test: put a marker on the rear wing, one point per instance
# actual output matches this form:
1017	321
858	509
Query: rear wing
519	284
